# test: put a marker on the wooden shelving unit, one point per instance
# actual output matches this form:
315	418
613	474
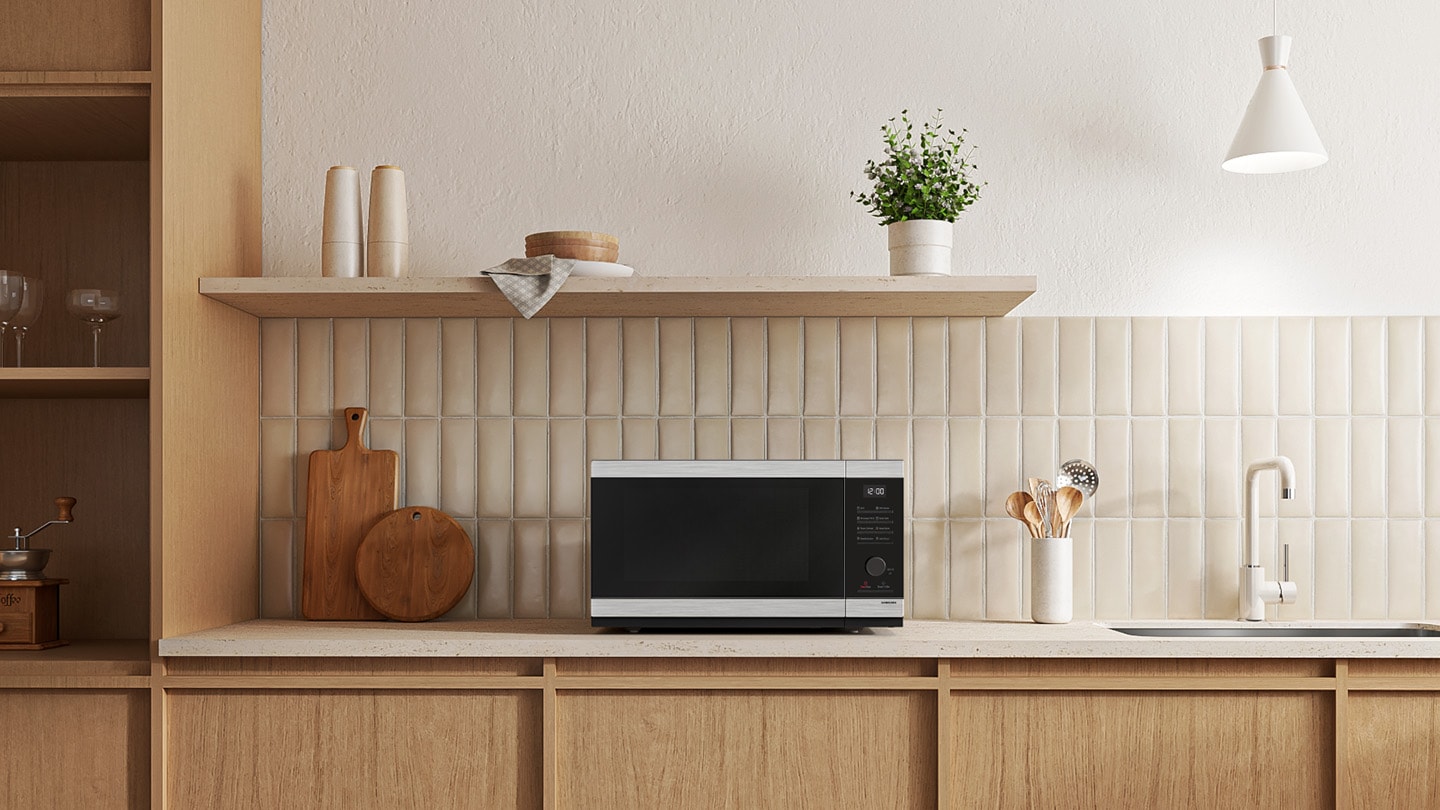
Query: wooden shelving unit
639	296
123	663
75	383
75	115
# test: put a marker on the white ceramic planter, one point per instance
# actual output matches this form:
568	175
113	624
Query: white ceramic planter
1052	564
920	247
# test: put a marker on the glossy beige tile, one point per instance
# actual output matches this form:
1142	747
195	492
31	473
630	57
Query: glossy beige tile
459	486
1299	535
277	569
1076	390
569	577
1002	464
857	438
1038	457
531	569
457	366
567	367
966	354
1112	569
1149	573
747	367
1002	367
677	366
1082	542
1076	440
350	382
892	366
966	456
1223	472
312	435
821	359
1005	578
712	438
930	473
567	468
1404	458
785	367
639	367
857	366
1222	569
784	438
1148	466
639	438
1258	388
1222	366
1405	570
1112	366
494	343
387	366
1185	569
1368	566
712	368
602	441
422	367
928	570
1147	367
312	367
1185	463
747	438
277	367
1112	461
677	438
1295	440
1432	380
929	361
277	468
531	367
1432	467
385	434
532	468
1405	366
1332	569
1367	467
496	438
1367	366
1038	366
493	569
822	438
602	367
1332	467
422	463
1185	369
1295	367
1332	366
967	568
1432	569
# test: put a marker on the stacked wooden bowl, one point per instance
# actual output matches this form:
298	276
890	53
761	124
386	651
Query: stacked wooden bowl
587	246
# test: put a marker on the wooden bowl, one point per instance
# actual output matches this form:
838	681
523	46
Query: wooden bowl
547	237
588	246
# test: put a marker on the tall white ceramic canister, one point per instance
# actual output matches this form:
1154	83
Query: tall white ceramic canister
389	238
342	244
1052	589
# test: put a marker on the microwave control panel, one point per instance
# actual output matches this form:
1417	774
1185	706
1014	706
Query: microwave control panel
875	537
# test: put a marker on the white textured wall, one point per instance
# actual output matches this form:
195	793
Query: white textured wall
723	138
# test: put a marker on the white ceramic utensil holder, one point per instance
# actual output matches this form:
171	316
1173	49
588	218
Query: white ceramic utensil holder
342	245
1052	563
920	247
388	247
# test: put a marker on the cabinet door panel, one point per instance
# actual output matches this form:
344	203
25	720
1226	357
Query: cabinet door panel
75	748
1393	751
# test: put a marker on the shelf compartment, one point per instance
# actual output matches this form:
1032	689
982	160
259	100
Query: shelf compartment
85	663
75	383
857	296
75	115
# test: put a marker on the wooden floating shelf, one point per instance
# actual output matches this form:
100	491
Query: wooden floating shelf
117	663
108	382
75	115
639	296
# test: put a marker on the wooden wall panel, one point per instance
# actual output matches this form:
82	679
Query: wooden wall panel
43	762
1134	749
745	749
1393	749
75	35
353	749
96	451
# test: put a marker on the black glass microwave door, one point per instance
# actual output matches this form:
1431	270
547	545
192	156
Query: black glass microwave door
717	537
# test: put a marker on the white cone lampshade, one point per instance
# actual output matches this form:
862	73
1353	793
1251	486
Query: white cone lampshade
1276	134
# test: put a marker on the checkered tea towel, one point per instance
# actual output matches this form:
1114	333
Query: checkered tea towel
530	283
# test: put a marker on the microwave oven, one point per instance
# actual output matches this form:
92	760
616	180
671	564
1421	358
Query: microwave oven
744	544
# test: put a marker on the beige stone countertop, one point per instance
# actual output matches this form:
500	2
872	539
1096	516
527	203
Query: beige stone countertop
573	638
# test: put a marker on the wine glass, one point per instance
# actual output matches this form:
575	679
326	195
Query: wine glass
29	312
95	307
12	295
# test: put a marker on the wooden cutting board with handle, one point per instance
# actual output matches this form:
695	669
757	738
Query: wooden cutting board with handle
349	490
415	564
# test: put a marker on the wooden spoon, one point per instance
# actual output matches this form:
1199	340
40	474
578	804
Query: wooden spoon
1015	508
1067	503
1032	516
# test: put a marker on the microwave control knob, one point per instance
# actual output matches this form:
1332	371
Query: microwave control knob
875	566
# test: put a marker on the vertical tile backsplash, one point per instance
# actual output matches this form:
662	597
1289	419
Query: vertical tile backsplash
497	419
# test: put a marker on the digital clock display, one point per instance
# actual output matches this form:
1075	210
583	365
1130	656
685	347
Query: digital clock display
874	490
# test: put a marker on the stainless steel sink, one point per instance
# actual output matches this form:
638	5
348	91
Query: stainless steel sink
1272	631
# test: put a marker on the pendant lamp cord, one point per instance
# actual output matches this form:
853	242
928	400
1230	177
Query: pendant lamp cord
1275	17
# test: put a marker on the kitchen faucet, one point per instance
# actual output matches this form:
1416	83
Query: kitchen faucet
1255	590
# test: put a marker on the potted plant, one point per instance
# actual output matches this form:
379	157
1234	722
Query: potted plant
921	186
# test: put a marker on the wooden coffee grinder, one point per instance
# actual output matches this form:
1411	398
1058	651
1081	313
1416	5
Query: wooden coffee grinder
30	603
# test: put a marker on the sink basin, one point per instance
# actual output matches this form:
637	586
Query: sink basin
1282	631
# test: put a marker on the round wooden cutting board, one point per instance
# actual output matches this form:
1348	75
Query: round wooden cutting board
415	564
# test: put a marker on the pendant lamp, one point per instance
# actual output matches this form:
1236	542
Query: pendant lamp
1276	134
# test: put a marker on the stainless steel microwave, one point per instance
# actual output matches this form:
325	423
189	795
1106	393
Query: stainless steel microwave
799	544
